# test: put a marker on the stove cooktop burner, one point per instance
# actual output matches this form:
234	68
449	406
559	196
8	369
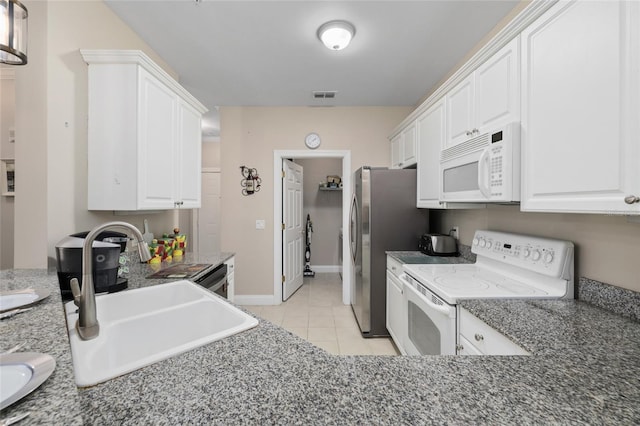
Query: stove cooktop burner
468	281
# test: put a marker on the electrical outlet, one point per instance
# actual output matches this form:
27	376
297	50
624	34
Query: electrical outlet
455	232
260	224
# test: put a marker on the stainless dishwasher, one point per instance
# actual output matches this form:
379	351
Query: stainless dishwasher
215	280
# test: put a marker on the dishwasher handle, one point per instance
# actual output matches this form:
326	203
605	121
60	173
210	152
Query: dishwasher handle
213	279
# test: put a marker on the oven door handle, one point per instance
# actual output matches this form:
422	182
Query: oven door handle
444	310
218	284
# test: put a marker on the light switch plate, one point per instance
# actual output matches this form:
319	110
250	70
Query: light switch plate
260	224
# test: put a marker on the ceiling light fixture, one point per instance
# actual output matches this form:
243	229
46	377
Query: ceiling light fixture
336	35
13	32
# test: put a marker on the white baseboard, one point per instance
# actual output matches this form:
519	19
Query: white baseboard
326	268
254	300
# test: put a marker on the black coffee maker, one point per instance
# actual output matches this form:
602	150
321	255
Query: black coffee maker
106	260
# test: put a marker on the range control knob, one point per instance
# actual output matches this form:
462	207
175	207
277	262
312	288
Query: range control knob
488	244
526	253
535	255
483	243
548	257
475	242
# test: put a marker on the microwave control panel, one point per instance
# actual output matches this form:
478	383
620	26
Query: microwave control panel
496	169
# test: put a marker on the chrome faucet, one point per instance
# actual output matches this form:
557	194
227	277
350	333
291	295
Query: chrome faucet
87	325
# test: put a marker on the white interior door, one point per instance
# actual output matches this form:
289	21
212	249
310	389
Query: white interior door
208	215
293	230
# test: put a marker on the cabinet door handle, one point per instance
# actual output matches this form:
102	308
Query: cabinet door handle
631	199
479	337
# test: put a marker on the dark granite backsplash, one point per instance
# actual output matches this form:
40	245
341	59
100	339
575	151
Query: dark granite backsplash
615	299
465	252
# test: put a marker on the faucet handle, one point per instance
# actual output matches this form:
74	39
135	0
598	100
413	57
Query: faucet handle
75	289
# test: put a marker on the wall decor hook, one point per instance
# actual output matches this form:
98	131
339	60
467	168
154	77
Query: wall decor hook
251	181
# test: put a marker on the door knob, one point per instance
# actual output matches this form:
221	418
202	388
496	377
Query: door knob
631	199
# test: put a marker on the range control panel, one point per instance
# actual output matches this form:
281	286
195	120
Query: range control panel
542	255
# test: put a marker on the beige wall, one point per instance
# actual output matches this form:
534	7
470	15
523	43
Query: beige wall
607	247
7	121
249	135
51	114
325	208
210	153
30	247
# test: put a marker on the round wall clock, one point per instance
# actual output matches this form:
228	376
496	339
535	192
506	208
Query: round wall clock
312	140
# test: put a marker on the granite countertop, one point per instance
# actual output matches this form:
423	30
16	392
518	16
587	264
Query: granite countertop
138	272
585	369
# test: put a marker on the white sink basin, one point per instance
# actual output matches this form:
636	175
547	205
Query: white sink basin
146	325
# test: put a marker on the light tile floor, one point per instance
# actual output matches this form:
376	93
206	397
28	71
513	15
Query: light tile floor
315	312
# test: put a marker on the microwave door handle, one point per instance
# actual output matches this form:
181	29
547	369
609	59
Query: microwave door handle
483	173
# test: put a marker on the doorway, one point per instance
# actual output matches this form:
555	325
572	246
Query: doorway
278	157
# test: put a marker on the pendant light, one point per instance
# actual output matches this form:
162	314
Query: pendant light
13	32
336	35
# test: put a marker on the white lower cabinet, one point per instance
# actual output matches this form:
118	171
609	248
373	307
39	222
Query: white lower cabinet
396	314
581	109
231	265
476	337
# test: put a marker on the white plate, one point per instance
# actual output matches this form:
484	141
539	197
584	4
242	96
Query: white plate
19	298
21	373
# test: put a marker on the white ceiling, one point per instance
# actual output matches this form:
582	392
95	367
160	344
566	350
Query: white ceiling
265	52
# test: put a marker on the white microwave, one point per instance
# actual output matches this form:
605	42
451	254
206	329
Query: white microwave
483	169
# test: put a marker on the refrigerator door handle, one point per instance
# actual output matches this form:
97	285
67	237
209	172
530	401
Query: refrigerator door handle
353	244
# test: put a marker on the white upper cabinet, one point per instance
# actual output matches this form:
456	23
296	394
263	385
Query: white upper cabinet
156	144
580	109
409	146
460	107
403	148
144	142
189	153
431	132
487	98
396	147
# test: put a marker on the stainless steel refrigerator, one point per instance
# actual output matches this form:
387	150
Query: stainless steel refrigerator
384	217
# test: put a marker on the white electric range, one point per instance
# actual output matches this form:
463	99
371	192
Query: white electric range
508	266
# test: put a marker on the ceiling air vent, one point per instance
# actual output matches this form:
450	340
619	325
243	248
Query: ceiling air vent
325	94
